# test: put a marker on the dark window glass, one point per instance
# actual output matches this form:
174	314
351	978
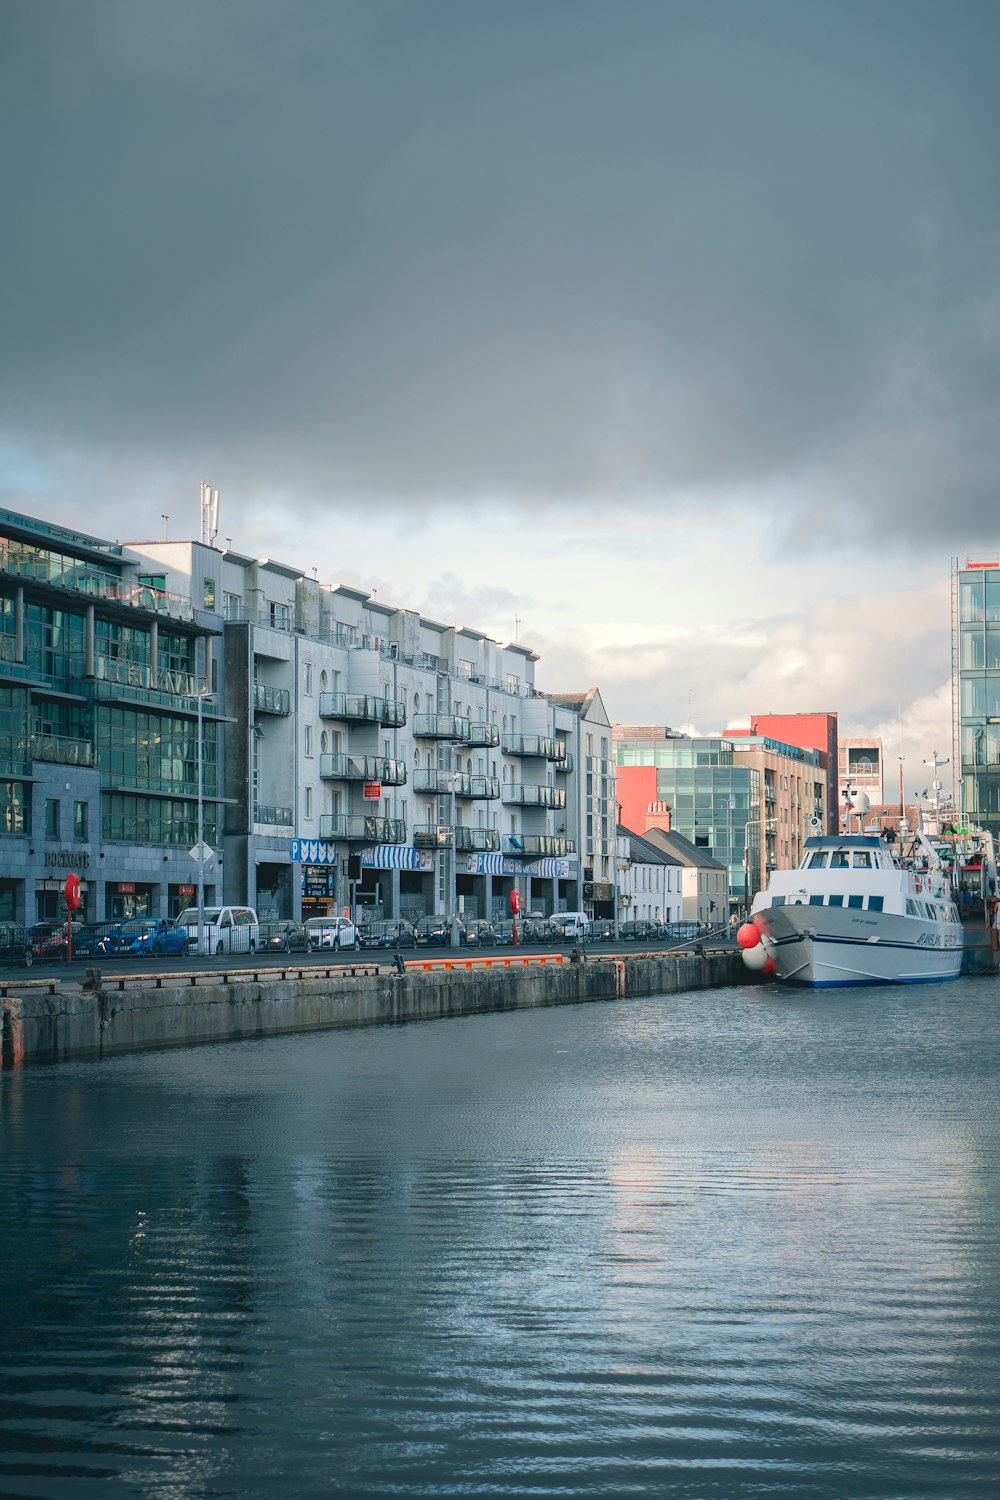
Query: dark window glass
874	903
856	901
52	817
836	900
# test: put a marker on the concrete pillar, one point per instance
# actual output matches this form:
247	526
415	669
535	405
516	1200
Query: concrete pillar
154	652
208	662
393	893
19	625
88	648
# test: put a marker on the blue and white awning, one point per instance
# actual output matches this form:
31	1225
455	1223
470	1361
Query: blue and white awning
501	864
395	857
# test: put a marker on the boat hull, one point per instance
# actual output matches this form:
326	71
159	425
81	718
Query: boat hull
827	947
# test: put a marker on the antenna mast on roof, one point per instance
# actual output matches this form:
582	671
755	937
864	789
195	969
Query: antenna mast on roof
209	514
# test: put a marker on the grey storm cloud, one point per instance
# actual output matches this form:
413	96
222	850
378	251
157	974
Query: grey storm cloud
445	251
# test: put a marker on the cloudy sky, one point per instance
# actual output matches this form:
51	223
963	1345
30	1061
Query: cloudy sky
667	334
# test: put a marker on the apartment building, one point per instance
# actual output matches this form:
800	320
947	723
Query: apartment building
380	760
106	735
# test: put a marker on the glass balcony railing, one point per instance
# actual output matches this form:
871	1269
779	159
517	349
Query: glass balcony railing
477	840
466	840
486	735
484	788
535	844
437	782
432	836
372	830
534	744
363	708
60	750
272	817
362	768
138	677
270	700
441	727
519	795
43	565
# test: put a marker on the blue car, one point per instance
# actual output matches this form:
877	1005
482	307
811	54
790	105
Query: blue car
153	936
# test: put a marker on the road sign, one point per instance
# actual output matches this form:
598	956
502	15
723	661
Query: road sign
201	852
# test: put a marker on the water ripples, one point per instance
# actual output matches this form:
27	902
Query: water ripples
708	1245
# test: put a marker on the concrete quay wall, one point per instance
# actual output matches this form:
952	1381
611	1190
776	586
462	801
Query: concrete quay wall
53	1021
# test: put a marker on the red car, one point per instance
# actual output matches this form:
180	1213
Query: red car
48	941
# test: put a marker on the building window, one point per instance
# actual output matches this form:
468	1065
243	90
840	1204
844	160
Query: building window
309	802
512	684
279	614
309	679
80	822
208	593
309	739
232	607
52	817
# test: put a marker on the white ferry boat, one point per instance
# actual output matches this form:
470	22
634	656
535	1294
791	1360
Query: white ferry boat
853	914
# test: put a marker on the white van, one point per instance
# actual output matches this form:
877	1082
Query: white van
225	929
572	926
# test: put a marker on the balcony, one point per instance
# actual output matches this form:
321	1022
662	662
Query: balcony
565	764
269	700
362	768
40	565
477	840
362	829
534	744
362	708
534	844
432	836
443	783
441	727
484	788
486	736
58	750
136	680
272	817
519	795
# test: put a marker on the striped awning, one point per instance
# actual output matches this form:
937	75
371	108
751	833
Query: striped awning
395	857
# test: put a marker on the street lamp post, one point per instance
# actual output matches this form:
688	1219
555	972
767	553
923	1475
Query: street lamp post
453	895
202	696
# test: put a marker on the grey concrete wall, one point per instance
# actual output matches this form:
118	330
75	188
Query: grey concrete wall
39	1026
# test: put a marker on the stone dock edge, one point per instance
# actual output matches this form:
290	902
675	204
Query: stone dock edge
53	1021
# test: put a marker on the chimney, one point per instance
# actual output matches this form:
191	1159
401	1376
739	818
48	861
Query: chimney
658	816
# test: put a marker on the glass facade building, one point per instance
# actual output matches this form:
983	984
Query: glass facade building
976	690
714	800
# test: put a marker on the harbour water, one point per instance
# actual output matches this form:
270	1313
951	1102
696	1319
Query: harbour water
723	1243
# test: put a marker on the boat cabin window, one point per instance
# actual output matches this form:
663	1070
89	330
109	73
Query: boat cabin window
836	900
818	861
839	859
875	903
855	900
861	859
815	900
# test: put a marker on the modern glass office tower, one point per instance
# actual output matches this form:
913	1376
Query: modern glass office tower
714	797
975	644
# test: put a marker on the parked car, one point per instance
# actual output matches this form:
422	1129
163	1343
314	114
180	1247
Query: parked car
504	932
15	945
536	930
151	936
48	941
479	934
282	937
642	931
336	933
435	932
602	930
388	934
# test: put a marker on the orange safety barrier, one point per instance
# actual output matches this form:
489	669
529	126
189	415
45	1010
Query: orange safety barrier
426	964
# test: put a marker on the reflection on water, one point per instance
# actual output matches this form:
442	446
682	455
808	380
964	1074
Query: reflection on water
739	1243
